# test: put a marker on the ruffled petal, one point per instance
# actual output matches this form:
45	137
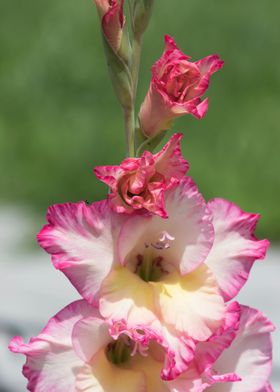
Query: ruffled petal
51	363
170	161
235	247
125	296
190	381
249	355
191	303
80	240
198	110
208	352
207	66
180	350
109	175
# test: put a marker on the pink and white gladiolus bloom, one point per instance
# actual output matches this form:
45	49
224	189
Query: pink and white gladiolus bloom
172	275
176	89
140	183
112	21
77	352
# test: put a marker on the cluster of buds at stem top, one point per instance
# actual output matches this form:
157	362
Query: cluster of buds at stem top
177	86
118	50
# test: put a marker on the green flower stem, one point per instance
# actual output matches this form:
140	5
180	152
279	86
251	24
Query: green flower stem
129	113
130	130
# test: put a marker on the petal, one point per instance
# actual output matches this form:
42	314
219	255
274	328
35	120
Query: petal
109	175
249	355
200	110
266	388
190	381
209	64
80	240
191	303
235	247
144	172
170	161
103	376
89	335
151	369
156	112
189	223
51	363
180	351
208	352
125	296
170	43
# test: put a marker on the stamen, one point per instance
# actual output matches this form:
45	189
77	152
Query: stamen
139	348
163	241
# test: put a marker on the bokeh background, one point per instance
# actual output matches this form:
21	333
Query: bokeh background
59	118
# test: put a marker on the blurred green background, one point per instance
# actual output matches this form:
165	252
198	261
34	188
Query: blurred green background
59	117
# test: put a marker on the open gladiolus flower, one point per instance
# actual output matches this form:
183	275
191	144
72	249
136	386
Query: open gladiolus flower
78	351
176	89
140	183
112	19
171	275
75	352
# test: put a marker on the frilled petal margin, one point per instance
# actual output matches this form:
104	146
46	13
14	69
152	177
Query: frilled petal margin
235	247
80	239
249	355
51	363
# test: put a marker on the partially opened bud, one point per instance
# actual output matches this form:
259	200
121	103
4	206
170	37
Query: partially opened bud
176	89
112	20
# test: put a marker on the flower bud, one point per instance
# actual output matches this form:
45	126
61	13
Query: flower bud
112	21
120	76
176	89
141	12
117	47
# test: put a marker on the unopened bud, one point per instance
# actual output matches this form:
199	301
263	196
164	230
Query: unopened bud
141	12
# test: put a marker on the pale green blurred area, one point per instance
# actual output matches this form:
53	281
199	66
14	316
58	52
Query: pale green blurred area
59	117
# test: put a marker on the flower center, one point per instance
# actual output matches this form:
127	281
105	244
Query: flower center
120	351
151	265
